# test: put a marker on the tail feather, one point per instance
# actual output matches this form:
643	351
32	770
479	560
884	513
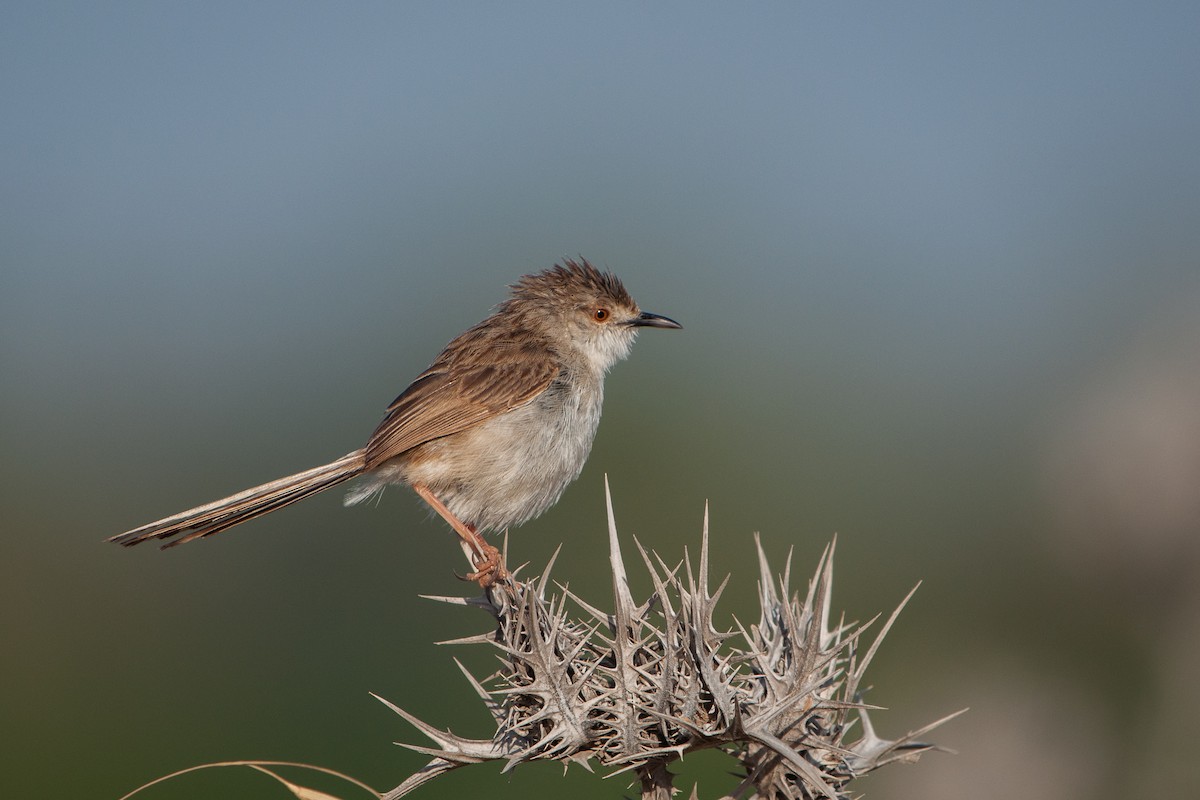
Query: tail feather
215	517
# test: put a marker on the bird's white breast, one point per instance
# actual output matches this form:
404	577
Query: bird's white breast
523	459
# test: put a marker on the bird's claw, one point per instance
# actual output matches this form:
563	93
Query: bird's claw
489	567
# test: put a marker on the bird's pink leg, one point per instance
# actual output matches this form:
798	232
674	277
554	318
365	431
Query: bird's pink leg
488	563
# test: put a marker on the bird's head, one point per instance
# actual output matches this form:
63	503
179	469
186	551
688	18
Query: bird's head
584	311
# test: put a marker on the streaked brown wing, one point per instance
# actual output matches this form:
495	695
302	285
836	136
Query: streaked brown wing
439	403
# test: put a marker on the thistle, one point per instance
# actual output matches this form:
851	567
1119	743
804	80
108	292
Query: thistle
642	686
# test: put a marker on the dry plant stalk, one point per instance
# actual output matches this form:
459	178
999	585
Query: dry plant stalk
642	686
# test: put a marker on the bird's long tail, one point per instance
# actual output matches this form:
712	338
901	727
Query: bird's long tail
237	508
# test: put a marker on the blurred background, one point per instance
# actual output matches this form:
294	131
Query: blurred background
939	268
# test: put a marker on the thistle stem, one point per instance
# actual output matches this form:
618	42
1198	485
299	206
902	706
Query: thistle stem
657	782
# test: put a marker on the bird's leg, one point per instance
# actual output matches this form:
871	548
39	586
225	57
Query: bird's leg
486	559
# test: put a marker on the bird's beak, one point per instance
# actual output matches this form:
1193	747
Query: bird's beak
648	320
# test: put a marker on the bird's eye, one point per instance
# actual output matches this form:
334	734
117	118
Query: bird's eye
600	314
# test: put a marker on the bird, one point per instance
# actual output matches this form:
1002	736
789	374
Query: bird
490	434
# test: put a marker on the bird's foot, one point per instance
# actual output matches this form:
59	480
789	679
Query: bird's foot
489	565
486	559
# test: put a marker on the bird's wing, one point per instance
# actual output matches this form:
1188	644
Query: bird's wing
459	390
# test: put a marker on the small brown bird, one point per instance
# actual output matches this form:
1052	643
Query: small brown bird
491	433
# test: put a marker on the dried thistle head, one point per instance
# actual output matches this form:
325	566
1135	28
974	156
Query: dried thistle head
646	684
